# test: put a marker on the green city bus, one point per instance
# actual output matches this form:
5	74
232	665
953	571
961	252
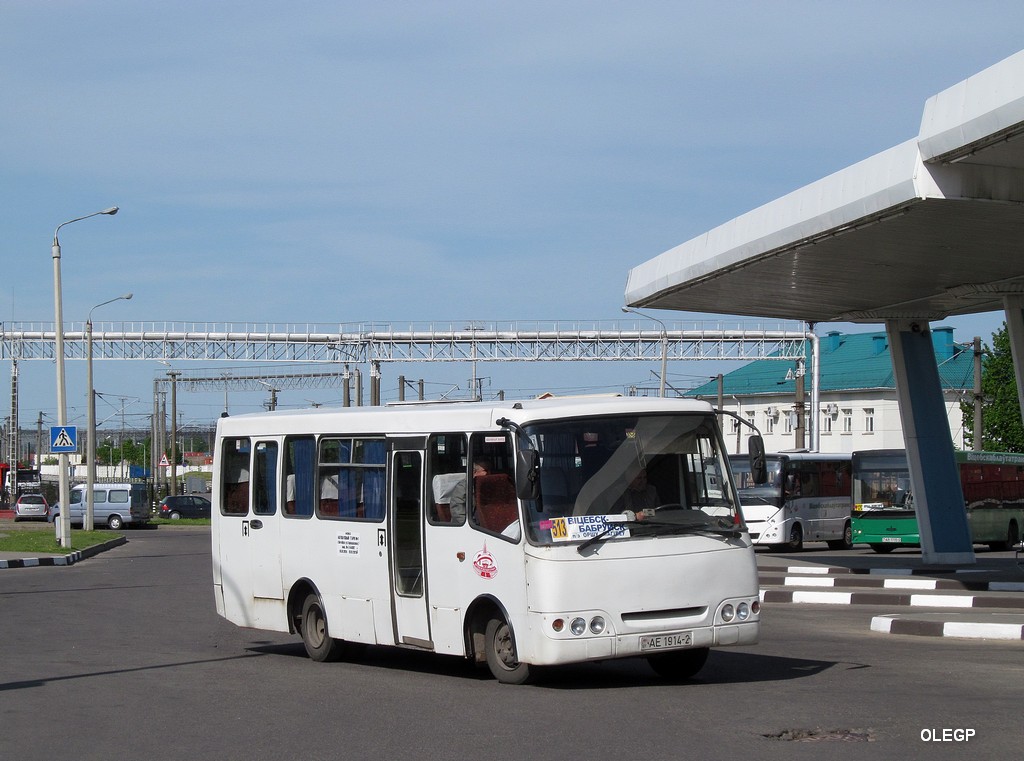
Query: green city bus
883	513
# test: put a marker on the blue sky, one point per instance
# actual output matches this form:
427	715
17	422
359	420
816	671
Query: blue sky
333	162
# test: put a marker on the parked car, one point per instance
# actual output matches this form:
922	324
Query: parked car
31	507
114	505
184	506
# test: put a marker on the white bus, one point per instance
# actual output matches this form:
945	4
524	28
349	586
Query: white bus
516	534
807	498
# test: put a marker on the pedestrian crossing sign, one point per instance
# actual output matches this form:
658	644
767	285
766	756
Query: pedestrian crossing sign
63	438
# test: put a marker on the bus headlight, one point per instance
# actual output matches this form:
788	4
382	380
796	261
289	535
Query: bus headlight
578	626
742	611
597	625
728	613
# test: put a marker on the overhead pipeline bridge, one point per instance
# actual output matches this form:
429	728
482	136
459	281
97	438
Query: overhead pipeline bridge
371	342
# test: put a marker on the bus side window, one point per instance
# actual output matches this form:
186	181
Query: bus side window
265	480
234	493
495	506
351	479
447	461
300	474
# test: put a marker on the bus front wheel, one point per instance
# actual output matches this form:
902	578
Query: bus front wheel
500	649
679	664
320	646
846	543
796	538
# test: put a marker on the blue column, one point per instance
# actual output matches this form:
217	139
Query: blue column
934	476
1013	306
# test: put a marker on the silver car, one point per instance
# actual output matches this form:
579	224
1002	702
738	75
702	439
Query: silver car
31	507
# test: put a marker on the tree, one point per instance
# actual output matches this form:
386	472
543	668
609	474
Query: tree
1001	428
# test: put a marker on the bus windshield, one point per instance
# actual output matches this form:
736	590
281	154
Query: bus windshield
629	475
768	493
881	481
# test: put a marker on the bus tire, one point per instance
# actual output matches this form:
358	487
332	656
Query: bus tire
679	664
883	549
500	650
796	538
846	543
320	646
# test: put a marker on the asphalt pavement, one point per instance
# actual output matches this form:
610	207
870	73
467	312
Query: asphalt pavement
983	601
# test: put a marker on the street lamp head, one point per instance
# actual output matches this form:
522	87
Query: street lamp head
111	211
127	297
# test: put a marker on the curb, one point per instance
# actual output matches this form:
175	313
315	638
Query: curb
890	598
64	560
923	626
880	582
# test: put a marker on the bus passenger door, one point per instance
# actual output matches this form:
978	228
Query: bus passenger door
264	528
412	626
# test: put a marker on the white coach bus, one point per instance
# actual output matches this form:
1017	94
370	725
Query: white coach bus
806	498
516	534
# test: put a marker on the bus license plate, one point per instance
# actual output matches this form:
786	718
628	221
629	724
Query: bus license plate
892	539
666	641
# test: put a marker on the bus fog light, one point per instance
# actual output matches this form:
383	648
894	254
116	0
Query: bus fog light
597	625
558	624
578	626
755	607
727	613
742	611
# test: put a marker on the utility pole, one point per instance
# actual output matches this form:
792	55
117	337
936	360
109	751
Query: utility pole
800	407
174	430
978	433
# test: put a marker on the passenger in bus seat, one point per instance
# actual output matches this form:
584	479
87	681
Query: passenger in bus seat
496	505
329	494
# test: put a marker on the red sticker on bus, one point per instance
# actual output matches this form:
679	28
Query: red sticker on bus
484	565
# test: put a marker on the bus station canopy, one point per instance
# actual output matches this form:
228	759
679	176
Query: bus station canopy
930	228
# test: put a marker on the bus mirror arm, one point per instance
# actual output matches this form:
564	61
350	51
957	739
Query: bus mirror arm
755	447
527	463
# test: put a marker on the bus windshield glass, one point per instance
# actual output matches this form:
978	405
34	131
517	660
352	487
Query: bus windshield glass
629	476
768	493
881	482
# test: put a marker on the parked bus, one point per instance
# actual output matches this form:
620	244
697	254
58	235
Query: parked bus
883	512
514	534
806	499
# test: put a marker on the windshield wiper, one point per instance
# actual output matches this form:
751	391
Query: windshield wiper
599	537
683	528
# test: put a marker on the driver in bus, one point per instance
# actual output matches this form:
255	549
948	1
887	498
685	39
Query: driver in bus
639	495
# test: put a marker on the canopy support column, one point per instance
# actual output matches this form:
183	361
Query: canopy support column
934	476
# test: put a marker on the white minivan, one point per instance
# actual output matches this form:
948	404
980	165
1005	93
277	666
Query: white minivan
114	505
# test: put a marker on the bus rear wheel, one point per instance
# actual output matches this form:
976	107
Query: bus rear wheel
500	650
320	646
679	664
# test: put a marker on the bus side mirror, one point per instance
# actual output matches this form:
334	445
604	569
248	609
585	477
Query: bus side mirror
758	466
527	474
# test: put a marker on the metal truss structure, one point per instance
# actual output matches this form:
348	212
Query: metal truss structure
359	343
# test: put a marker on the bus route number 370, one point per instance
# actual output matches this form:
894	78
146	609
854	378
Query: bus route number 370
666	641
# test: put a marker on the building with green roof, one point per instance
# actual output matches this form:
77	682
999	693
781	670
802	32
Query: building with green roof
857	395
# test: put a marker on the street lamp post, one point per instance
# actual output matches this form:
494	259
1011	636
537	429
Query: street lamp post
664	346
90	449
62	411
